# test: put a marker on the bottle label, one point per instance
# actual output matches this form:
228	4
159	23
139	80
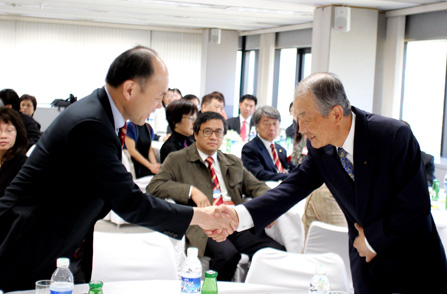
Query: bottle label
190	285
61	292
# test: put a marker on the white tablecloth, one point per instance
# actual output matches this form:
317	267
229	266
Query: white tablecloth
173	287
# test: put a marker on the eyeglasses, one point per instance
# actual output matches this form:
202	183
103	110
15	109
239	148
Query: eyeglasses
208	132
191	118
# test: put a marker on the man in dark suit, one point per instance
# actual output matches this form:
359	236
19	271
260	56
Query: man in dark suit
186	176
243	123
75	176
380	185
10	98
264	158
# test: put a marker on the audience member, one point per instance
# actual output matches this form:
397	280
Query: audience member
243	123
213	102
193	99
200	175
13	146
28	104
75	176
264	158
372	165
10	99
138	142
181	115
160	124
290	131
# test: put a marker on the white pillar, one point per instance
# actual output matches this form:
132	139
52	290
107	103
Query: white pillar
266	69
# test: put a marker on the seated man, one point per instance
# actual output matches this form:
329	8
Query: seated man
266	160
243	123
197	174
214	102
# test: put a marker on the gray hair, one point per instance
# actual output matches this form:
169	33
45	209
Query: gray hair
328	91
266	110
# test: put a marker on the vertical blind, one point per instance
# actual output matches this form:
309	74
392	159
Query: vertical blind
51	61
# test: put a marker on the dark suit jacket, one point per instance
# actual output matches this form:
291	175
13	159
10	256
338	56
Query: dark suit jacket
73	178
32	128
389	199
184	168
429	163
234	123
258	161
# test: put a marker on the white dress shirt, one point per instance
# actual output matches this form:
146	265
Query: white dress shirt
247	126
118	118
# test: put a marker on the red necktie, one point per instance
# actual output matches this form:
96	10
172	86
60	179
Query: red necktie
244	131
122	134
216	185
276	159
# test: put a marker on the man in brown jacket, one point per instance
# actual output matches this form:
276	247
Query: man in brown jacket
186	177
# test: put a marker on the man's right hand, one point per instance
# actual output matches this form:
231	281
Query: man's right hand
227	212
199	198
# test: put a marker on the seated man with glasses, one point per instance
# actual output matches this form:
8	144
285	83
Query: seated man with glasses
200	175
264	158
181	115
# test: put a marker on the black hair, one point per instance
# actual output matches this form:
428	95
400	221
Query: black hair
206	116
177	109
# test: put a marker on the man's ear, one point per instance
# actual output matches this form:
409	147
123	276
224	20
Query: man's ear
337	114
128	88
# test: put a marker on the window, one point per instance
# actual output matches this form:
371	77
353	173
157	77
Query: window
291	66
247	76
424	96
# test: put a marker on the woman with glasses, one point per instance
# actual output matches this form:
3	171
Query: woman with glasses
181	115
13	146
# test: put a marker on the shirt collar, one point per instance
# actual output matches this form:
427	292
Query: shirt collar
204	156
348	145
248	119
118	118
266	143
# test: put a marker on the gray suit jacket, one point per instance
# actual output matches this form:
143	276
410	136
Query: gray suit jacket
184	168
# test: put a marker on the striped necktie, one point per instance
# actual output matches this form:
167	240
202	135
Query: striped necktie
345	162
276	159
122	134
218	201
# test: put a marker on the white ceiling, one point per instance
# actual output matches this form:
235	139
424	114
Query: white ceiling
240	15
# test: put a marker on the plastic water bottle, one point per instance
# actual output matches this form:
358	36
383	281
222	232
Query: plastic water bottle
62	281
252	133
191	273
319	284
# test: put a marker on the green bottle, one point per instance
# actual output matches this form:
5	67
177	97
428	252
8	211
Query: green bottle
210	283
95	287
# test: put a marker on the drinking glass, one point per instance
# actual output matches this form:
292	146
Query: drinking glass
43	287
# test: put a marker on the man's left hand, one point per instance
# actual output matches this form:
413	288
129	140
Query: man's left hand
360	244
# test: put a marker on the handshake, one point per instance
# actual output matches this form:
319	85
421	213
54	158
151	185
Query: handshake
218	222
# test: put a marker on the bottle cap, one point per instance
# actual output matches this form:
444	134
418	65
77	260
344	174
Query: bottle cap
320	270
63	262
193	252
210	274
95	284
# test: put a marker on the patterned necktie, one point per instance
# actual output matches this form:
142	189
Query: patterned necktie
345	162
276	159
244	131
122	134
216	201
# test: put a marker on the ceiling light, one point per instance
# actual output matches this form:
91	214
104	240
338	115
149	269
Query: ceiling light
258	10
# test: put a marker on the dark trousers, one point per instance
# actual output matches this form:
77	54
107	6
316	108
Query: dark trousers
226	255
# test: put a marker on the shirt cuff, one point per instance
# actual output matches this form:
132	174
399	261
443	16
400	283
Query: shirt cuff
369	246
190	190
245	219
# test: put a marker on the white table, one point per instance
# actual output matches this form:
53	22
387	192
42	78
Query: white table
173	287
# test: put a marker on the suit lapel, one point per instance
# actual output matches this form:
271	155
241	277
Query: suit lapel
363	164
265	154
